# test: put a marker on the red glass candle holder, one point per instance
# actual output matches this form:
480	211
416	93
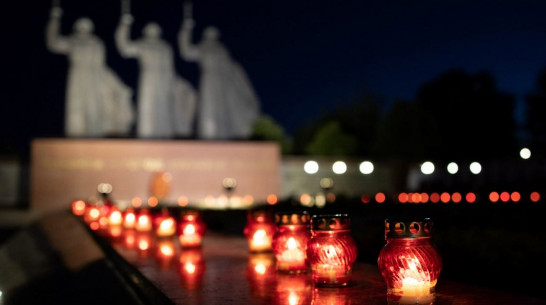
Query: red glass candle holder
332	250
165	224
191	229
409	263
259	230
144	221
290	241
129	218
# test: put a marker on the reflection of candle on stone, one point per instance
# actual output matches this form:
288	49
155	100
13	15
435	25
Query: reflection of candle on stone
191	268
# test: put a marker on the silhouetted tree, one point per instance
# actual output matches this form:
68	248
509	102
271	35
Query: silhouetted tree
474	119
331	140
266	129
536	116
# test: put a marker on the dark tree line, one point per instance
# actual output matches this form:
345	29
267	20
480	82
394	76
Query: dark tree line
456	116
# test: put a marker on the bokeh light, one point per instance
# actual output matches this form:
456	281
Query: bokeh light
470	197
535	196
339	167
427	168
380	197
494	196
311	167
525	153
452	168
366	167
475	168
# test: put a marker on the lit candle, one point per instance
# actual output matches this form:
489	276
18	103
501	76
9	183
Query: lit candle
165	225
259	231
144	221
191	230
129	218
332	250
115	218
290	241
409	262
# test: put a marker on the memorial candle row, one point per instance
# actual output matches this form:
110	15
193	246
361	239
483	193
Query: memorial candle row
408	261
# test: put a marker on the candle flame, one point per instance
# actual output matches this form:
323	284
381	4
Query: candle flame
291	244
143	245
293	298
189	230
260	234
115	217
166	224
331	251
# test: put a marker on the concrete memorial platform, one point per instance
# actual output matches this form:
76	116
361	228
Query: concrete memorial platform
194	172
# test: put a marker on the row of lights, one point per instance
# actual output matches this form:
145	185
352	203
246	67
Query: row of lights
339	167
427	168
445	197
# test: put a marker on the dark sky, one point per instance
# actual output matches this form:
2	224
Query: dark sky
303	57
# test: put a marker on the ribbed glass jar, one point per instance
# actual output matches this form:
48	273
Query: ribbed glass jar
409	263
290	241
331	251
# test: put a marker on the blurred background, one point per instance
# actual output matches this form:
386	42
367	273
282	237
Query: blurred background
393	83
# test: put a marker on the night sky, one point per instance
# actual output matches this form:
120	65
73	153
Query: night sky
303	58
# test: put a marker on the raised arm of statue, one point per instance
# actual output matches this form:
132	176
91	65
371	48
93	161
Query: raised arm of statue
123	41
188	51
55	41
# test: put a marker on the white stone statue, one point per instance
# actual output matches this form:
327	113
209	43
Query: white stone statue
165	101
98	104
227	105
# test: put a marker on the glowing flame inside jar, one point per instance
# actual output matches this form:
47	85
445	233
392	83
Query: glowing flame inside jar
143	223
190	236
166	227
415	289
260	240
115	218
129	220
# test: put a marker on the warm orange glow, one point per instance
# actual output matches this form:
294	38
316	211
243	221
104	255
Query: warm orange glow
161	184
434	197
445	197
260	268
94	226
115	231
136	202
305	199
456	197
504	196
189	229
129	220
494	196
152	201
144	223
365	198
166	250
167	227
248	199
94	213
103	222
129	240
515	196
380	197
415	197
115	218
331	197
424	197
190	268
535	196
143	244
183	201
470	197
271	199
78	207
403	197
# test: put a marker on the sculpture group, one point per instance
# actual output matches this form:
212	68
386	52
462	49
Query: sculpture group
99	104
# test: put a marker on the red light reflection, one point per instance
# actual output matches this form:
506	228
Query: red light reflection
260	272
331	296
293	289
191	267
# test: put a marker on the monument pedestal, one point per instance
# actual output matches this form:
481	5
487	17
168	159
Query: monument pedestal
64	170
